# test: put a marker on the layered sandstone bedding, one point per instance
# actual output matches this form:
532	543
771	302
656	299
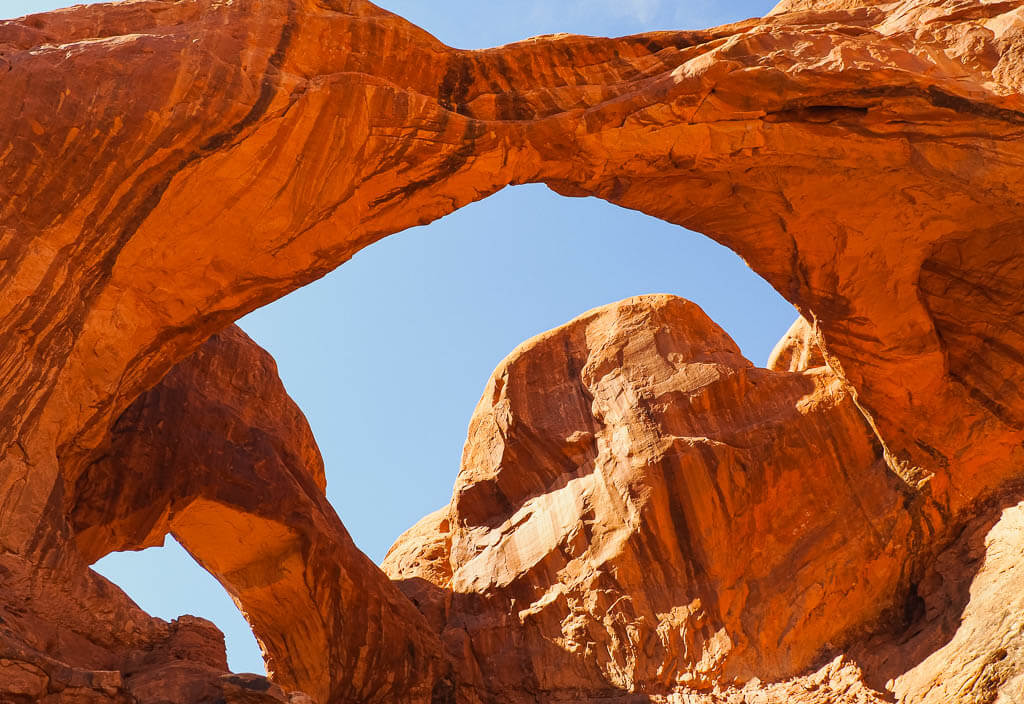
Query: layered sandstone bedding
641	515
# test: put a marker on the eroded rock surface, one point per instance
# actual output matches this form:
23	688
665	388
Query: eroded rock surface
219	456
639	507
167	166
798	350
641	511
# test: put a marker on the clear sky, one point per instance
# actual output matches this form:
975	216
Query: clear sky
388	355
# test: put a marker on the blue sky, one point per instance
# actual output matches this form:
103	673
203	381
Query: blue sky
388	355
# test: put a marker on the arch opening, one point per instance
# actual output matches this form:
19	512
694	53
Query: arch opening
388	355
452	395
167	583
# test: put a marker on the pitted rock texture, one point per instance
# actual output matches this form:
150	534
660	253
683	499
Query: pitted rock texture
167	166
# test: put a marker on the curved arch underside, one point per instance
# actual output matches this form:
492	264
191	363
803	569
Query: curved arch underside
169	166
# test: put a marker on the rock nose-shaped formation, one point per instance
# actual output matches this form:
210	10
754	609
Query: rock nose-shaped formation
168	165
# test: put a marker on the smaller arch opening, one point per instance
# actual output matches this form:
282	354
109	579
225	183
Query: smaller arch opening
167	583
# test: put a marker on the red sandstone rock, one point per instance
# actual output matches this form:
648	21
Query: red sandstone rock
640	509
659	518
214	450
219	456
802	156
798	350
168	166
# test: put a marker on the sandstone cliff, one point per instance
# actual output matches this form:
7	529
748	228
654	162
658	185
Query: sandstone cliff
167	166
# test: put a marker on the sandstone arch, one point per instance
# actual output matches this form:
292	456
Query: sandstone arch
220	457
168	166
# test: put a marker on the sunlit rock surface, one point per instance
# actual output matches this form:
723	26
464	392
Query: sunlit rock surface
166	167
641	508
798	350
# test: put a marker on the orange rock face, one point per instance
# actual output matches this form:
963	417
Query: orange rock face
640	511
798	350
645	510
219	456
166	167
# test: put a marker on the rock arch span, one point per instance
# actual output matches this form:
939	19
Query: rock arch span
169	166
